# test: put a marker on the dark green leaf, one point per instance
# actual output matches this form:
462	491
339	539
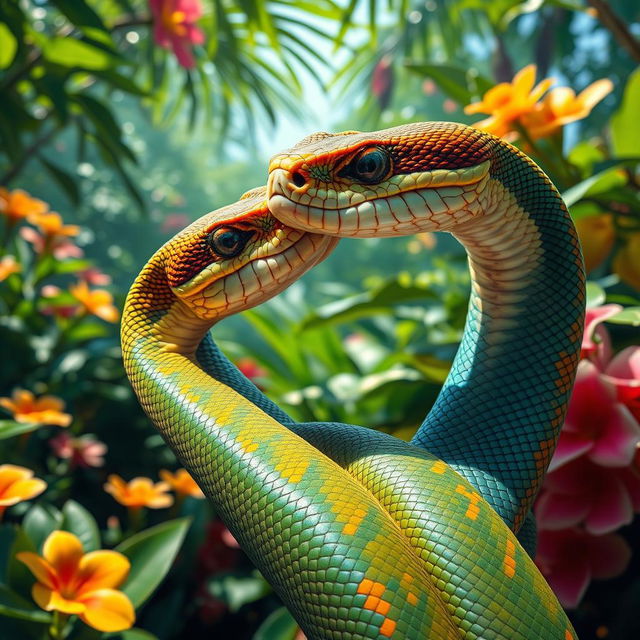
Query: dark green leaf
10	428
15	606
280	625
19	578
79	13
238	590
594	185
81	523
40	521
64	179
151	553
133	634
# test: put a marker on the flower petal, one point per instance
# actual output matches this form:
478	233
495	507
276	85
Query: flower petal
63	551
569	582
102	570
618	440
40	568
555	511
27	489
51	600
570	446
609	555
108	610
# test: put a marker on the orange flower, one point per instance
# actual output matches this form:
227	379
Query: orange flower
140	492
18	204
98	302
52	226
627	261
597	235
508	101
26	408
18	484
72	582
561	106
182	483
8	266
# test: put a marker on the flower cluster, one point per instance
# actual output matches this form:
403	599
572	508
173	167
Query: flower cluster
593	485
519	106
174	27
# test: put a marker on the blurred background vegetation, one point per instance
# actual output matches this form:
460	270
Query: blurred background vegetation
132	118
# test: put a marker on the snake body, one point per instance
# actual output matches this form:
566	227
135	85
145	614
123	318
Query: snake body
363	536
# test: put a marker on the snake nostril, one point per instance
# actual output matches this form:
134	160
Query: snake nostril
298	179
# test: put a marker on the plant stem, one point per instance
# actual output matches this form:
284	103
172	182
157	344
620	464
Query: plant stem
618	28
58	624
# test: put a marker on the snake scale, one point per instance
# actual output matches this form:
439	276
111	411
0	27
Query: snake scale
362	535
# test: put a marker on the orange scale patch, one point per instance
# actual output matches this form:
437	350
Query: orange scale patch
439	466
387	627
473	509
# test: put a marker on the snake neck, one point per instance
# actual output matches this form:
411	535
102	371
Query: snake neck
500	411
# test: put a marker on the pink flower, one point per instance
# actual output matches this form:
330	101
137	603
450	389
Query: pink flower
95	277
382	81
603	498
597	425
252	370
570	559
623	372
60	246
596	344
174	27
84	451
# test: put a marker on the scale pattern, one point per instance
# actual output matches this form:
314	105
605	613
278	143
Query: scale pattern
361	535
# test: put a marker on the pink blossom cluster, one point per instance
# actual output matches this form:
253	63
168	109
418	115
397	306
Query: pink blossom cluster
593	485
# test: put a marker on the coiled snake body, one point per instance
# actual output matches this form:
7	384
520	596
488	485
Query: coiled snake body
364	536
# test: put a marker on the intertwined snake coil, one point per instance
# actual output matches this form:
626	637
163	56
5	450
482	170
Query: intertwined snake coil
363	535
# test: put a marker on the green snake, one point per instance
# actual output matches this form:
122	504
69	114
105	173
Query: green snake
362	536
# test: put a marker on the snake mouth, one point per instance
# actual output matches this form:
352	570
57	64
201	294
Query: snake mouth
402	204
265	273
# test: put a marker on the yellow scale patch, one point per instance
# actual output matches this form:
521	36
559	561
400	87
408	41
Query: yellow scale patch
439	466
354	522
510	559
292	470
473	509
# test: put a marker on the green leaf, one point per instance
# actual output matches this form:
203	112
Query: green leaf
40	521
630	315
64	179
625	125
10	428
15	606
7	536
79	13
19	578
370	303
238	590
280	625
79	521
595	185
8	46
133	634
462	85
595	295
151	553
69	52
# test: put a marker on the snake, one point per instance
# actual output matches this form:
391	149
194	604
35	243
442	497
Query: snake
361	535
497	418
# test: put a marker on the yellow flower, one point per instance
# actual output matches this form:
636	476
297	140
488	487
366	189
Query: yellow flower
508	101
72	582
26	408
627	261
182	483
18	484
140	492
52	226
561	106
597	235
98	302
18	204
8	265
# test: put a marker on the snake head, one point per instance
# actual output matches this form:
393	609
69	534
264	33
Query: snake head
419	177
237	257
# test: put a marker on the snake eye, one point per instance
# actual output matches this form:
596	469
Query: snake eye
371	166
228	241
